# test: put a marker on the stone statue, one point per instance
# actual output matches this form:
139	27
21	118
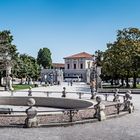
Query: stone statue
9	82
99	109
93	89
31	120
30	81
128	105
116	96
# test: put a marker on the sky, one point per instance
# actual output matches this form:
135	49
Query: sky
66	27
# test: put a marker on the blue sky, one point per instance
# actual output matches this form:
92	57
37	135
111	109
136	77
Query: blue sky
66	26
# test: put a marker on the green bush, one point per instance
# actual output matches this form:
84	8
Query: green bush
23	86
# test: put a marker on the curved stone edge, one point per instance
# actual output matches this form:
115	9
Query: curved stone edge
62	103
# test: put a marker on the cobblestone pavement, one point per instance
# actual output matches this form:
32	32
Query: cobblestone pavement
123	128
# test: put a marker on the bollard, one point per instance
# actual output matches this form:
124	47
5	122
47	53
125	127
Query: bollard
116	96
12	92
106	96
99	109
80	95
93	94
47	94
128	105
93	90
30	91
64	92
118	105
31	120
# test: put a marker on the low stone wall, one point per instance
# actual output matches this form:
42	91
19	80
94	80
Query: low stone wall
63	117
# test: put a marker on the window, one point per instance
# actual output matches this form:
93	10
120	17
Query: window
74	66
68	66
81	66
88	64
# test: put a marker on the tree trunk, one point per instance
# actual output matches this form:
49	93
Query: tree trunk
127	84
111	82
127	80
0	79
134	80
122	81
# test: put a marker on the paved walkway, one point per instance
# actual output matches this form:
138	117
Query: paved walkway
77	87
123	128
56	92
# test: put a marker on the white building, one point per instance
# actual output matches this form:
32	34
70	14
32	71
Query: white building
77	65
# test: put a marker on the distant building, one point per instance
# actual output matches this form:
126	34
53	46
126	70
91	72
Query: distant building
77	65
79	61
58	66
52	76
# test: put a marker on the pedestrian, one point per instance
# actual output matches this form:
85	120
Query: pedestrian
71	82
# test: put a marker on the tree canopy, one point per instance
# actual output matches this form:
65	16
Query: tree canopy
121	59
27	67
44	58
22	65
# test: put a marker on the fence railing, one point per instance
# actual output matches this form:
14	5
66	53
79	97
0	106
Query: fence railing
66	115
116	103
80	94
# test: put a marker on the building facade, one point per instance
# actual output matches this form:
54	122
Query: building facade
77	66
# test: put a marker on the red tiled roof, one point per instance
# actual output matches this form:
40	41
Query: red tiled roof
80	55
58	65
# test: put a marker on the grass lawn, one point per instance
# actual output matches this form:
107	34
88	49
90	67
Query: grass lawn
138	85
19	87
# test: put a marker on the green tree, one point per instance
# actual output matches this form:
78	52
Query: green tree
27	67
121	59
44	58
129	38
111	65
7	49
6	45
99	57
23	66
